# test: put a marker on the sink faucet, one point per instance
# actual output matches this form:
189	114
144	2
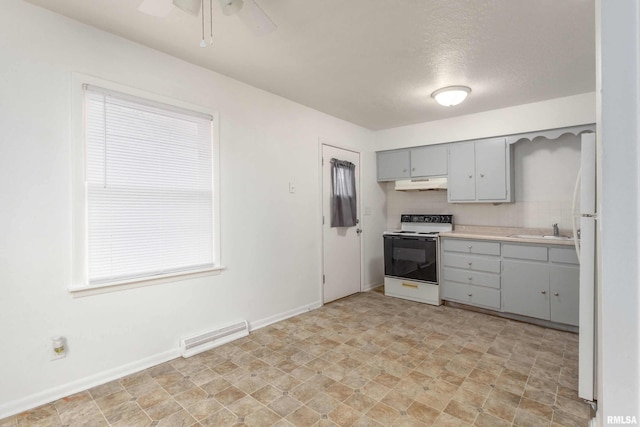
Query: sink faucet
556	232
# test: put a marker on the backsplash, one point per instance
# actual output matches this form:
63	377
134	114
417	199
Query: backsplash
530	214
544	173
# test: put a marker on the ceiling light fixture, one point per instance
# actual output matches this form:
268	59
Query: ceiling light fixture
451	95
231	7
192	7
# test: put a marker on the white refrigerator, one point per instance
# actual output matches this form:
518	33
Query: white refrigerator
585	218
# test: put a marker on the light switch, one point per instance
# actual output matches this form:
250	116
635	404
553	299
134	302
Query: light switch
292	188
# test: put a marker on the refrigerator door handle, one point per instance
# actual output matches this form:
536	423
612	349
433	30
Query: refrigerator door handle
574	214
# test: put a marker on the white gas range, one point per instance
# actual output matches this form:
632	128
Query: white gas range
411	257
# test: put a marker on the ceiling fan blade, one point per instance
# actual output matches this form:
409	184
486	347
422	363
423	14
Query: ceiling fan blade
159	8
192	7
254	17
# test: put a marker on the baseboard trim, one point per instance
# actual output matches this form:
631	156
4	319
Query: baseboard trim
283	316
53	394
372	286
37	399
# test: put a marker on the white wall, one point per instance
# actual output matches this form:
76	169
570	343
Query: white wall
550	114
618	27
270	239
545	172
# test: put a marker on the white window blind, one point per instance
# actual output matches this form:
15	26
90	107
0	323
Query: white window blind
149	188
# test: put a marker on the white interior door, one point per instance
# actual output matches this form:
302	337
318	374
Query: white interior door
341	245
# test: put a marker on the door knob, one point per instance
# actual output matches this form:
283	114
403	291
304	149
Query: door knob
358	230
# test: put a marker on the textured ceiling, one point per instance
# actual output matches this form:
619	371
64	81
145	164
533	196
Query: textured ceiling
375	62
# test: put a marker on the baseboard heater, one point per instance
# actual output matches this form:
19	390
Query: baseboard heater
206	341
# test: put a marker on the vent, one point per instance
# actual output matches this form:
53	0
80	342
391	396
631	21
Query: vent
206	341
422	184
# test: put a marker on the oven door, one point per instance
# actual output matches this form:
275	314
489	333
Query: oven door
411	258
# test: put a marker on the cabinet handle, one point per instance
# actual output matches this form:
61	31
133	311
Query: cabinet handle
469	246
544	292
404	170
469	263
481	175
555	294
470	295
409	285
470	176
470	278
413	169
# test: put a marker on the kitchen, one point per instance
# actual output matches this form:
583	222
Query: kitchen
41	50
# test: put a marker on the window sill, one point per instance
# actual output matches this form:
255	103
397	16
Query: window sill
83	291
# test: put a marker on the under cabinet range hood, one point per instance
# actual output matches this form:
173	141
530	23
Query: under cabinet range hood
424	184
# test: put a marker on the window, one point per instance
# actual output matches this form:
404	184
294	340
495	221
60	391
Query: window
149	189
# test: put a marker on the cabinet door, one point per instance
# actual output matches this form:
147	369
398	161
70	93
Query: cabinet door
565	294
462	180
525	288
429	161
456	291
491	169
393	165
485	297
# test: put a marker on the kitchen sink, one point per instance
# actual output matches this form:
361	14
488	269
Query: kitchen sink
541	237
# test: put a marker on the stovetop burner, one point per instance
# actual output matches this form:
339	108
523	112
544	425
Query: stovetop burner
416	232
424	224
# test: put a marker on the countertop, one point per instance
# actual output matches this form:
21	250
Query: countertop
504	234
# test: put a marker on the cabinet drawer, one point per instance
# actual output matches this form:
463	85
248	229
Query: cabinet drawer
472	277
491	265
473	295
564	255
532	253
414	291
471	246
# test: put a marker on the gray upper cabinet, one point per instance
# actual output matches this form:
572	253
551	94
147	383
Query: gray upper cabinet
491	170
421	162
429	161
462	172
480	171
393	165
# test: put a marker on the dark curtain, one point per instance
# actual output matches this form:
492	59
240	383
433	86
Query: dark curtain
343	193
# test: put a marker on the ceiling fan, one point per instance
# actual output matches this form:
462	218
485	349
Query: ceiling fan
247	11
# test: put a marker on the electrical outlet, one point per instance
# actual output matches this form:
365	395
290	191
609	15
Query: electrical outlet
292	188
58	348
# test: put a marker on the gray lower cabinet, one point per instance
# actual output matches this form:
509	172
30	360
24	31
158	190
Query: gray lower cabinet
471	272
564	287
534	280
542	282
526	288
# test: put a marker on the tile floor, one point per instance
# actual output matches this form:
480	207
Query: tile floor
366	360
